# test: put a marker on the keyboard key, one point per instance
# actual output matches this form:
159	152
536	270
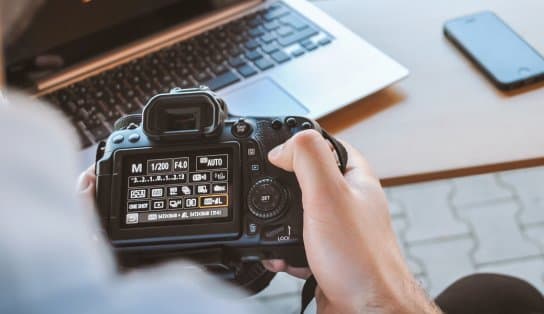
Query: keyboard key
236	62
69	106
112	114
100	132
324	41
294	22
235	27
269	48
252	44
128	106
82	114
185	84
299	52
285	31
268	38
234	51
298	36
130	93
264	64
271	25
253	55
255	32
217	58
219	69
202	76
222	81
238	38
309	45
254	20
247	70
280	56
274	13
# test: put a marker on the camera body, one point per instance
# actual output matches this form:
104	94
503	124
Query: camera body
191	181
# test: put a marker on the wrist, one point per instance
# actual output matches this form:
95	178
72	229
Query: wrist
405	295
391	289
412	298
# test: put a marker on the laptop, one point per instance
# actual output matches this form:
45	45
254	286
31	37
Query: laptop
98	60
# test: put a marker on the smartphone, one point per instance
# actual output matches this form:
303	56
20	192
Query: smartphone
504	57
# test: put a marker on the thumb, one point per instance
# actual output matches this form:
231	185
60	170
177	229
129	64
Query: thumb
86	182
308	155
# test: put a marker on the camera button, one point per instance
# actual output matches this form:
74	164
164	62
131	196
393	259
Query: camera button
306	125
278	233
291	122
241	128
253	152
118	139
252	229
267	198
276	124
134	137
271	232
255	167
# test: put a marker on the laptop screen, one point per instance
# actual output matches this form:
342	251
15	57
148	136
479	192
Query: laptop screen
62	33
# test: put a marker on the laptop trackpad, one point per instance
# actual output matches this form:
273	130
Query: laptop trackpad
263	97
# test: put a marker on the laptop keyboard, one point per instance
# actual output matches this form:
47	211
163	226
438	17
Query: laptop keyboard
217	58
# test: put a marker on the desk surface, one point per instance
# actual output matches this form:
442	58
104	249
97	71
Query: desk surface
445	119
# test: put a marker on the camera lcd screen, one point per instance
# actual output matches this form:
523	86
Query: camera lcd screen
177	188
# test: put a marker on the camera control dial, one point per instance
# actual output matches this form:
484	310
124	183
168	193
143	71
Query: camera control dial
267	198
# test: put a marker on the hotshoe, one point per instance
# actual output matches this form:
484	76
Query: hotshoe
185	179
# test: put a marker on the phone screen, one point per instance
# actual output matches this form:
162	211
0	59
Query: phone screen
507	59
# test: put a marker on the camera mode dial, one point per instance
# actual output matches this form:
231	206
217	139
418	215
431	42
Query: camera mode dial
267	198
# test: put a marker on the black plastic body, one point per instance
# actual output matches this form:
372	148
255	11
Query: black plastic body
499	52
245	237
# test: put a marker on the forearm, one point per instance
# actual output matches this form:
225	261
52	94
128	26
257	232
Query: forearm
389	287
406	298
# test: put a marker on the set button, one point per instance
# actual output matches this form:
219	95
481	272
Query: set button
267	198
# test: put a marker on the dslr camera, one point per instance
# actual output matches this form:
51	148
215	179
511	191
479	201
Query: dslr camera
186	179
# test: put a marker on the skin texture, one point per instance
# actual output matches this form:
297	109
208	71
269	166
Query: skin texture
351	246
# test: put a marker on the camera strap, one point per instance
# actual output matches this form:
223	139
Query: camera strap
341	151
308	293
308	290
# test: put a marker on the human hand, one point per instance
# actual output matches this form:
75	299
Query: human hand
350	244
86	183
86	190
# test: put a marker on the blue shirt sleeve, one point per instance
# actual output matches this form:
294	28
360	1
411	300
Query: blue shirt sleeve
52	260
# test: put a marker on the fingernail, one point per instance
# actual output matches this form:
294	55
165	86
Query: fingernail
275	151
